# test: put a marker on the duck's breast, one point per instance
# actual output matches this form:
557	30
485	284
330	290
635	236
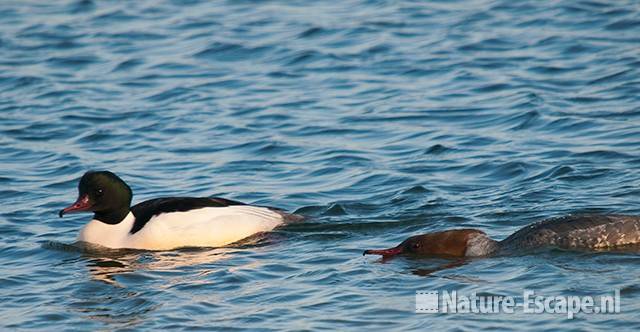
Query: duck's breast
107	235
204	227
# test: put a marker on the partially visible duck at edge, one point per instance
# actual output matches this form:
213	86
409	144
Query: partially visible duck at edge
573	232
165	223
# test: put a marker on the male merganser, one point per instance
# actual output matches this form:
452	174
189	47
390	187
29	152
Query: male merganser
590	232
165	223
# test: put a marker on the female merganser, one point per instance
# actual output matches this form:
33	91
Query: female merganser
165	223
579	232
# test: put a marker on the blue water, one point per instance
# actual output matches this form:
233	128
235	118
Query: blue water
378	119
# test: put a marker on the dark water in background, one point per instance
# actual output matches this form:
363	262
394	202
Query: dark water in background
380	119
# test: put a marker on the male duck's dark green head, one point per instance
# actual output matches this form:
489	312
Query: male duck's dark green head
103	193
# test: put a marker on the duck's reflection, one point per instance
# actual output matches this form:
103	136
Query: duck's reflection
106	264
131	282
111	264
424	272
428	266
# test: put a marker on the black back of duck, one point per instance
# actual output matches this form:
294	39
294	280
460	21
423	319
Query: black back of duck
576	232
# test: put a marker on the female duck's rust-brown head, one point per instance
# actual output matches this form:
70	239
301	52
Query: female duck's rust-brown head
451	243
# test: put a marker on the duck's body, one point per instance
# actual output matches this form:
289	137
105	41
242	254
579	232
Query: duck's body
165	223
203	227
590	232
580	232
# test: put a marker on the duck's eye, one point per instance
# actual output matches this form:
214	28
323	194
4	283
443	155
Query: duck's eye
99	192
416	245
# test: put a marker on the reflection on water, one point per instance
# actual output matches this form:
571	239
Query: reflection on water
109	267
423	272
106	264
110	299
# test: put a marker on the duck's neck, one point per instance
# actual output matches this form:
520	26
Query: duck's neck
480	244
460	243
107	235
111	217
